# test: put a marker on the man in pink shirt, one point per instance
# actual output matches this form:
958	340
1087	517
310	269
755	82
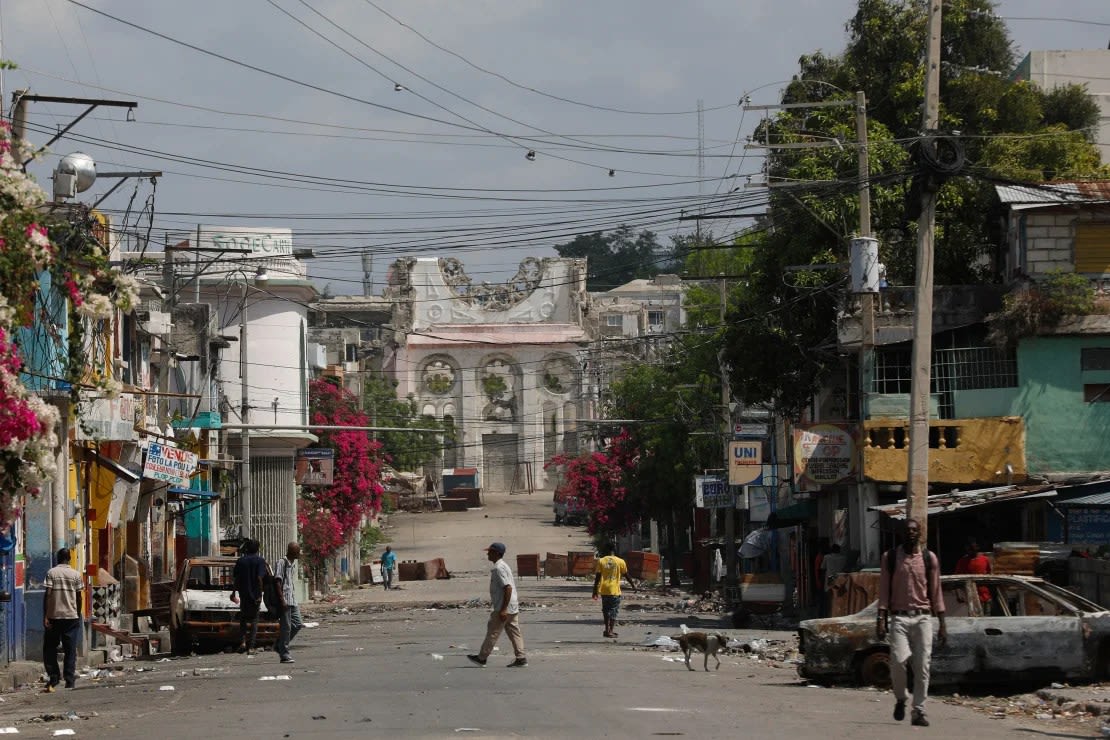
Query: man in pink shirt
909	594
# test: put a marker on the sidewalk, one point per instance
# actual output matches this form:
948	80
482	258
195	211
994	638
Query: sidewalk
19	673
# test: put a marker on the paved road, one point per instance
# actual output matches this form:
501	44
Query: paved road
378	666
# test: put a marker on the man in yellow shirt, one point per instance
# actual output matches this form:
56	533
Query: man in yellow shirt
607	585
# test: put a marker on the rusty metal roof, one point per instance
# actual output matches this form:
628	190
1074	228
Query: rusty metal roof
1054	193
946	503
1095	499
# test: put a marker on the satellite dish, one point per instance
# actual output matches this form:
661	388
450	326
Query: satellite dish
74	174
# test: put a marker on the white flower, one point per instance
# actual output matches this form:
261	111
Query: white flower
96	306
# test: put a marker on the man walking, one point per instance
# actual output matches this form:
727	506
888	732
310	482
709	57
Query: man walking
389	562
607	584
62	620
504	609
248	574
909	594
289	616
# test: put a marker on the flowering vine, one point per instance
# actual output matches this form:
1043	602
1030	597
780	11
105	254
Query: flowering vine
54	277
329	516
597	479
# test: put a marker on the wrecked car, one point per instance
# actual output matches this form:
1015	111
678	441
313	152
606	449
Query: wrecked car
569	509
1027	630
202	614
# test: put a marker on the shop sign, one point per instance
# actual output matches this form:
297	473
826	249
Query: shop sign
824	454
169	464
712	492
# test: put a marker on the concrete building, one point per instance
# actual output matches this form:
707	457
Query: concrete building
501	363
1049	69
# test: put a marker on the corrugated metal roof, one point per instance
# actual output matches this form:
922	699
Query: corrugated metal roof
1055	193
1095	499
943	503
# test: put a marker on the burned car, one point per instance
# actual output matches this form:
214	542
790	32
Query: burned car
202	613
1027	630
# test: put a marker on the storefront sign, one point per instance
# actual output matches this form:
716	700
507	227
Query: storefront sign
751	430
745	462
759	502
169	464
824	454
712	492
106	419
261	242
314	467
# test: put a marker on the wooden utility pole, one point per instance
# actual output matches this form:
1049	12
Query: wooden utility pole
917	498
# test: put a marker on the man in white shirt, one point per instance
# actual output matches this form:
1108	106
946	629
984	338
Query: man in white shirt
289	616
62	620
504	609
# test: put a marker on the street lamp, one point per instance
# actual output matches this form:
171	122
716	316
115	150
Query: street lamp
260	279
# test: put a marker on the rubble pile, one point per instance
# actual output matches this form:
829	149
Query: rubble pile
1087	706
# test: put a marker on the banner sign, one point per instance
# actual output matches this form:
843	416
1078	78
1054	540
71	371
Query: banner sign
169	464
315	467
106	419
824	454
261	242
745	462
712	492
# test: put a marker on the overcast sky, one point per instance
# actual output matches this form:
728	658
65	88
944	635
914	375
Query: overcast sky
440	166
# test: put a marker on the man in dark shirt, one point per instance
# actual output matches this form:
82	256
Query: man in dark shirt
249	571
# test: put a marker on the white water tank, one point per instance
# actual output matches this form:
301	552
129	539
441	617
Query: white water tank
864	265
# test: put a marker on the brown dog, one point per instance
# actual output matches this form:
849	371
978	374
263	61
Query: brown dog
707	644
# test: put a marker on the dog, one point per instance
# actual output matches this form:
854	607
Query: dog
707	643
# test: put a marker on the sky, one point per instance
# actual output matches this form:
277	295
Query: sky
404	128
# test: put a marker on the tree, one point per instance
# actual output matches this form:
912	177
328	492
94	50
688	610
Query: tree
405	450
617	257
329	516
55	281
781	341
597	479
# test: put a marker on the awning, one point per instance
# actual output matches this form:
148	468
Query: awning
90	455
793	515
191	494
947	503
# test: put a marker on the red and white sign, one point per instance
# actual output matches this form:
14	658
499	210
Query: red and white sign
824	454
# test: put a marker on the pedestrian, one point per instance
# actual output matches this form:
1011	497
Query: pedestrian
61	611
289	615
909	596
607	585
504	610
976	563
248	583
389	562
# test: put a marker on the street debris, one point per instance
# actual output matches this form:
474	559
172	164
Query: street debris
8	731
662	641
167	687
64	731
318	716
437	656
282	677
310	625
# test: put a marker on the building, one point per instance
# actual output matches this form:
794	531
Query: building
502	364
1049	69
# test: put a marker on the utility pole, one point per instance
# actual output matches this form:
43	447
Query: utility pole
245	415
867	322
917	498
726	412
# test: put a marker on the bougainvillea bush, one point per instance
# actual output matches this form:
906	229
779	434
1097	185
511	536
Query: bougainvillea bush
329	516
37	251
598	480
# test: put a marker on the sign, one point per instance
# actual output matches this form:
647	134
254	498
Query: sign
745	462
262	242
1089	525
315	467
106	419
712	492
751	430
759	502
169	464
824	454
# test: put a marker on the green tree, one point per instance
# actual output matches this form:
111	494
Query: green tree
781	340
405	450
616	257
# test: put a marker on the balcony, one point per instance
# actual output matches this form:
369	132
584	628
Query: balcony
961	451
953	306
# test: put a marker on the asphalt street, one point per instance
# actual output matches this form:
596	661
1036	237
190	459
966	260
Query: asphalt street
394	665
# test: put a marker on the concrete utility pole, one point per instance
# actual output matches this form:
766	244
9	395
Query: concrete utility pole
867	322
726	412
917	498
245	415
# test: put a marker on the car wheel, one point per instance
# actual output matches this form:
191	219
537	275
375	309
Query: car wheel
182	641
874	669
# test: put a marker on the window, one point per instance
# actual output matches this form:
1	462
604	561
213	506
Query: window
655	318
892	371
1094	358
1096	393
614	319
1092	248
